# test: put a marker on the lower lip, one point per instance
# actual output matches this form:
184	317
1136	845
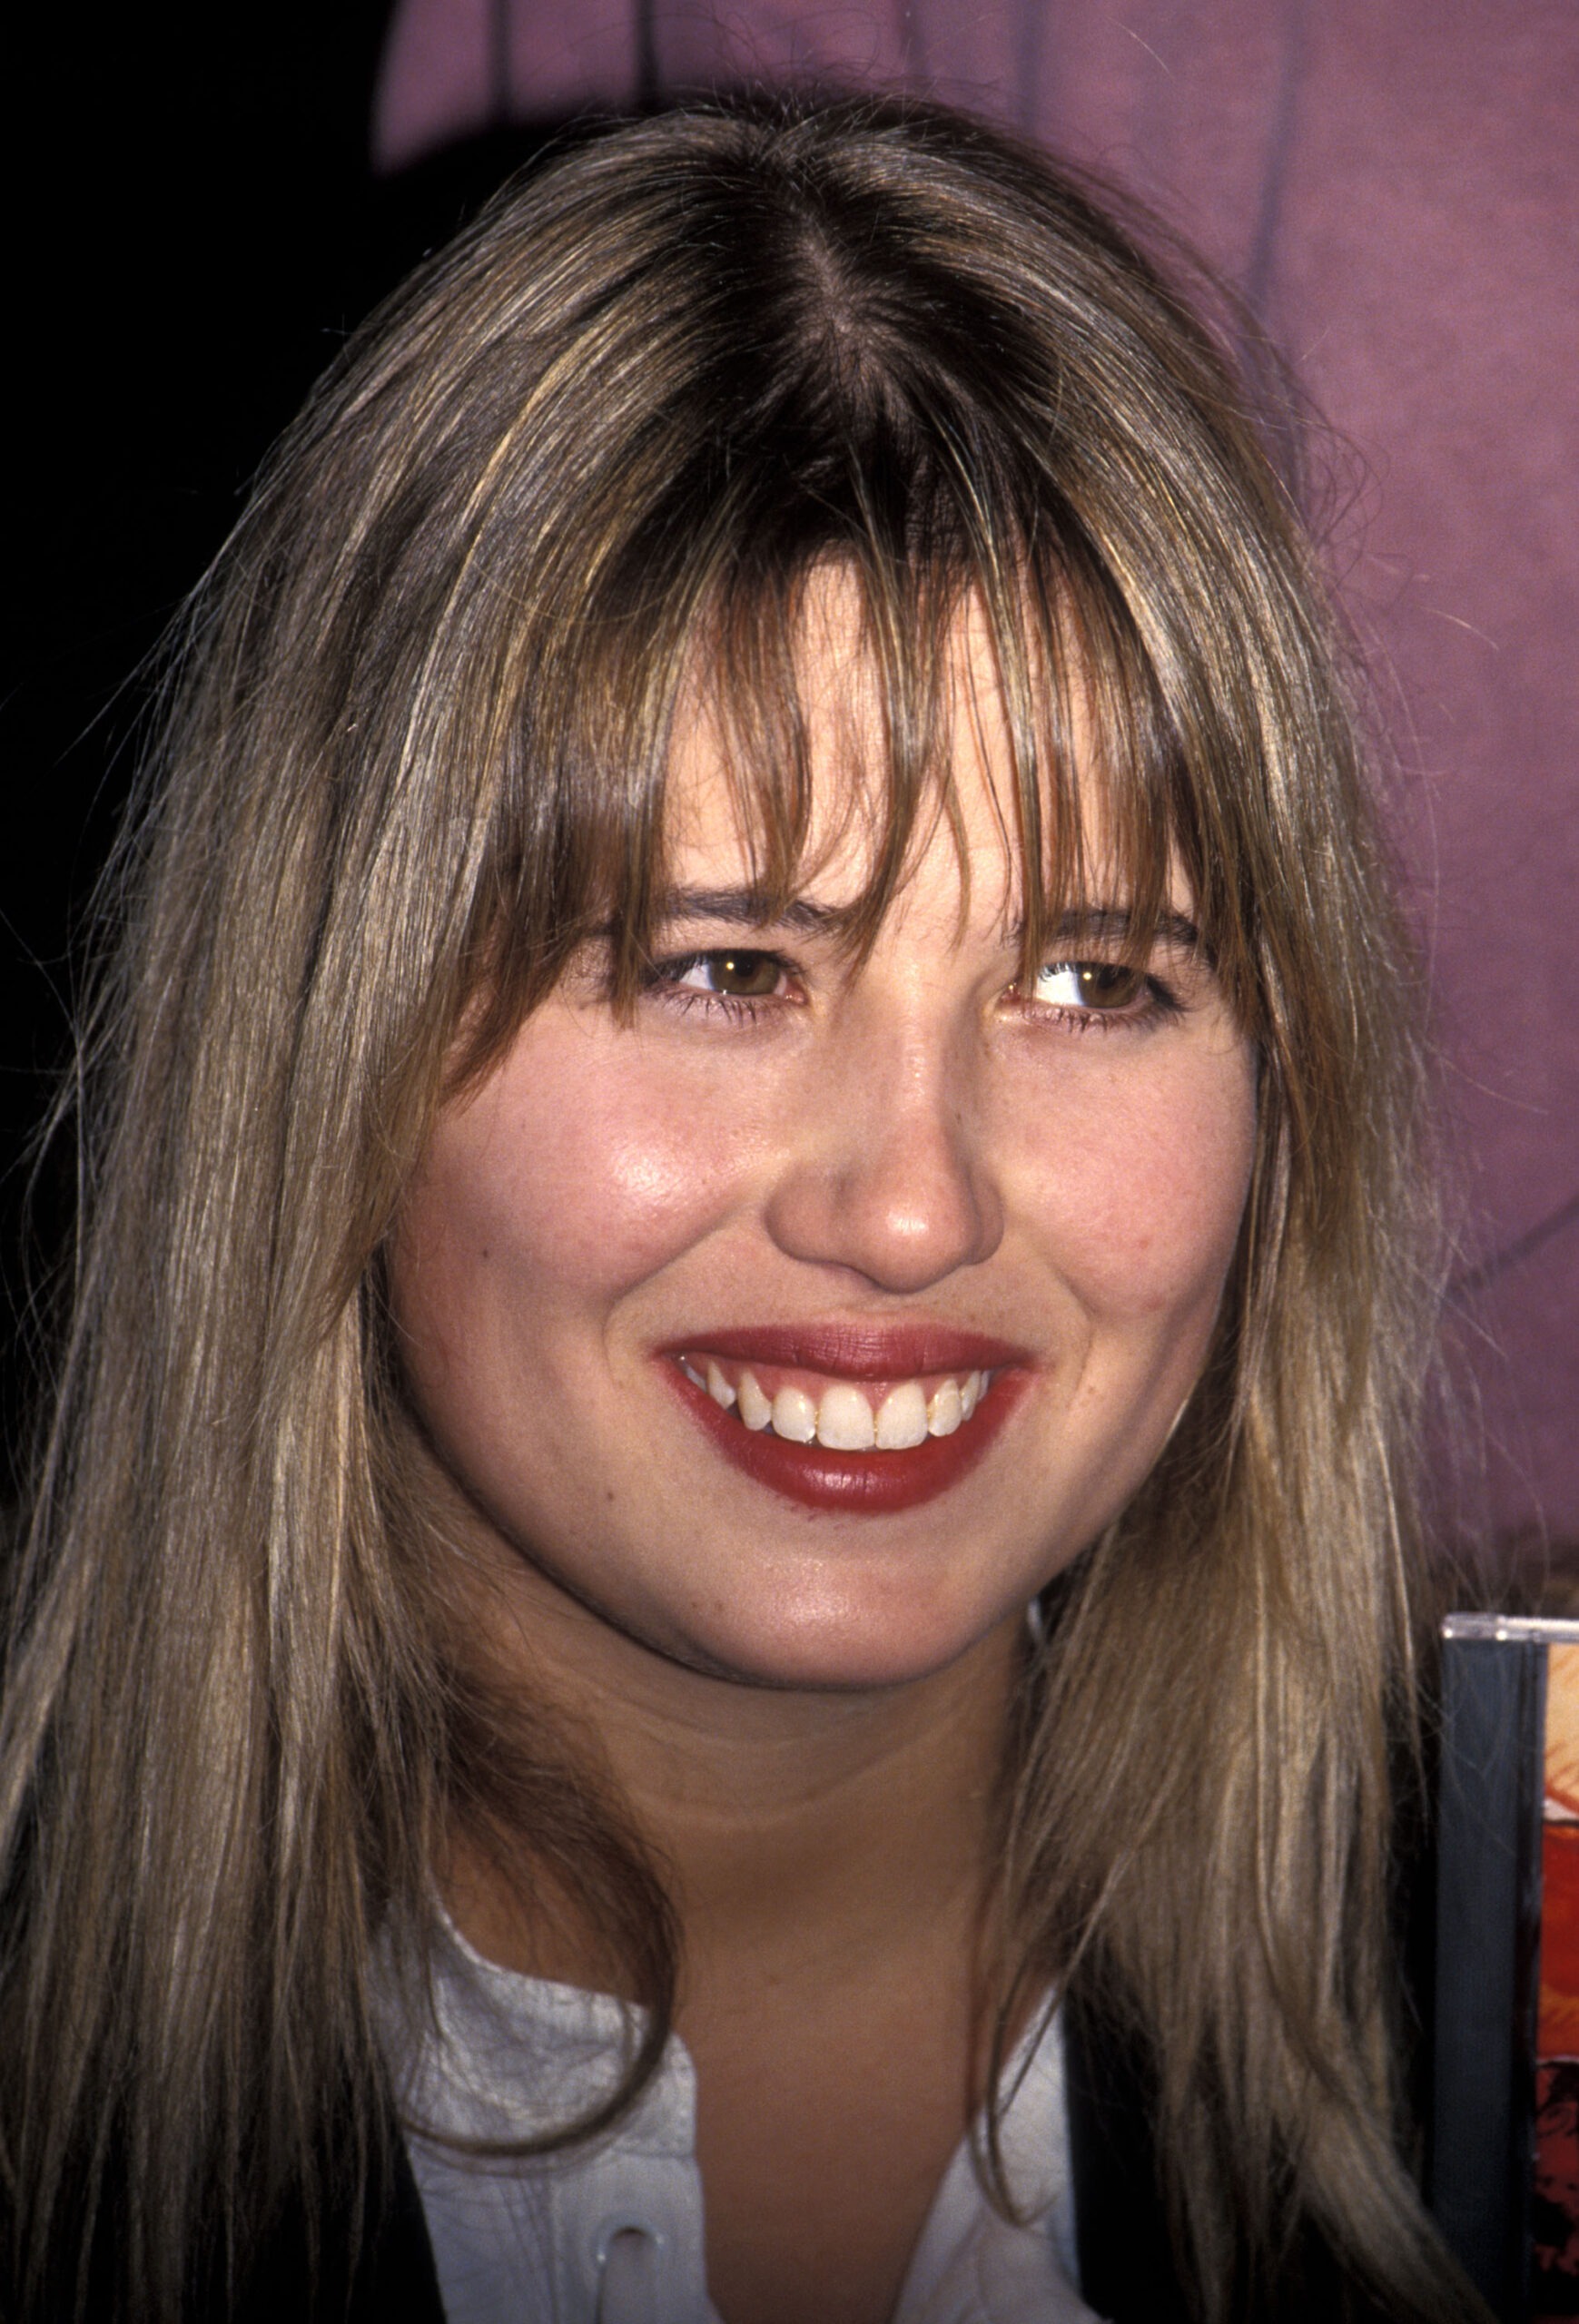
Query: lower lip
861	1484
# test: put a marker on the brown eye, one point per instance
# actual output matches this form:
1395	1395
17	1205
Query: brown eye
743	975
1103	987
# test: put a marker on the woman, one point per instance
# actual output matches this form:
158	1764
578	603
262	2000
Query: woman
757	1028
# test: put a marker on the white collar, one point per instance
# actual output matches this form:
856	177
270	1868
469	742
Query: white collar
534	2241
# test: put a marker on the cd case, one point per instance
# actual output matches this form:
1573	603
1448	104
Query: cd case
1504	2146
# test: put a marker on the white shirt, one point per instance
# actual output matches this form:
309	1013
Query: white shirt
609	2232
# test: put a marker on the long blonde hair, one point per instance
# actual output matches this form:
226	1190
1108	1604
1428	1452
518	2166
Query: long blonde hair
416	753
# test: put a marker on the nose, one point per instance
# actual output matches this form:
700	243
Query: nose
888	1173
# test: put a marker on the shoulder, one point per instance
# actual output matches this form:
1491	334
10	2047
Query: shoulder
1128	2271
375	2271
1126	2259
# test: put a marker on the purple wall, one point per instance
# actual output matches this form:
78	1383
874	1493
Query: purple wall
1397	188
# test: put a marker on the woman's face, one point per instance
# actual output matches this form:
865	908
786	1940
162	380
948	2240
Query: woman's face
803	1327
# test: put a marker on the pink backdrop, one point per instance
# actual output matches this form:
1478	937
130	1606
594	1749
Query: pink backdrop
1397	186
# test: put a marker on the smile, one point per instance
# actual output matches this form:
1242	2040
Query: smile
845	1415
860	1421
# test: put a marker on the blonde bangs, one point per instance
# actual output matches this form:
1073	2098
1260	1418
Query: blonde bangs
1101	810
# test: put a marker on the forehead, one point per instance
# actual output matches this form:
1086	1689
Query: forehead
881	770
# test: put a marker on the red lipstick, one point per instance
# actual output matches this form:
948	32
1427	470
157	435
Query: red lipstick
867	1483
854	1350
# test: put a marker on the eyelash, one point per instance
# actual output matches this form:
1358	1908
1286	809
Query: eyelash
663	982
1158	1001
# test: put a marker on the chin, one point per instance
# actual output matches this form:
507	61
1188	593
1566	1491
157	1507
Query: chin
843	1648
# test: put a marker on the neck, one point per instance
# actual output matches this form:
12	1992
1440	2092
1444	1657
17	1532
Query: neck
794	1829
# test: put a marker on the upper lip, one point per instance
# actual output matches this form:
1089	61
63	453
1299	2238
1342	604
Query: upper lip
853	1351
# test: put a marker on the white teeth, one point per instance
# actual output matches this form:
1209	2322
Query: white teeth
794	1415
843	1420
946	1410
754	1409
901	1417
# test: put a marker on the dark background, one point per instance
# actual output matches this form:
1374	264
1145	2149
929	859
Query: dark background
199	228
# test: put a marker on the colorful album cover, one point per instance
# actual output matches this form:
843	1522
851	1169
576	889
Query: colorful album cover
1554	2208
1503	2173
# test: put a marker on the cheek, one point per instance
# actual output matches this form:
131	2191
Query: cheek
566	1181
1144	1192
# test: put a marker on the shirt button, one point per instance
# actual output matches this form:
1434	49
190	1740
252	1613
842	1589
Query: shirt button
626	2254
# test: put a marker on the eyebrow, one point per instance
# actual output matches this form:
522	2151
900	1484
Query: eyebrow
1113	924
741	908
